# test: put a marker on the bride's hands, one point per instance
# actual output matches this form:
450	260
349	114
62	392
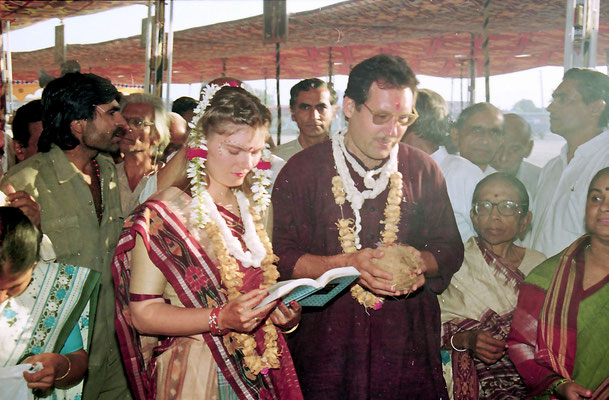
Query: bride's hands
286	317
239	314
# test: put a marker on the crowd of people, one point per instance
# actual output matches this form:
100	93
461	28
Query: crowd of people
137	245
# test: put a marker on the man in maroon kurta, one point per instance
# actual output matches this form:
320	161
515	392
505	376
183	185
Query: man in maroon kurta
344	351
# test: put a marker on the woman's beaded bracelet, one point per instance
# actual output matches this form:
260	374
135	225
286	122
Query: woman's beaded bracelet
554	388
213	322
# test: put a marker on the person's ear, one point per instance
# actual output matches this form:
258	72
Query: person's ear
348	106
529	148
598	107
19	150
292	114
454	136
77	126
524	222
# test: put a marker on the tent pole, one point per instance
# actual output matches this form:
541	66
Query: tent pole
472	71
277	71
581	33
169	54
487	61
330	65
148	48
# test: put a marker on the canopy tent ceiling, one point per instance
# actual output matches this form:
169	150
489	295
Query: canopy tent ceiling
434	36
25	13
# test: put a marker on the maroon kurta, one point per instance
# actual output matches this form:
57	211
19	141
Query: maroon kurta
343	351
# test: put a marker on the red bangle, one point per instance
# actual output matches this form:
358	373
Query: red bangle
213	322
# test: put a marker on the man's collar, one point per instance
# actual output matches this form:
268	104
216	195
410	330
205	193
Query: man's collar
64	168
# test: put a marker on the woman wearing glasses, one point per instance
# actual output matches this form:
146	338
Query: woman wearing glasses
558	340
477	307
142	145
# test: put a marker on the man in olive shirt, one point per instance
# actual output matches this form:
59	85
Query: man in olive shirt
80	208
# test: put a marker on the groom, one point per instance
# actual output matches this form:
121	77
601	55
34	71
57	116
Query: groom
388	346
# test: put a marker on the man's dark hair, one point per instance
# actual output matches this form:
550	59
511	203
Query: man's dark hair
183	104
19	241
24	116
388	71
433	123
474	109
592	86
523	195
70	98
308	84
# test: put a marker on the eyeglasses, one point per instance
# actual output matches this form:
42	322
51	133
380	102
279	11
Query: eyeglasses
382	117
506	208
137	123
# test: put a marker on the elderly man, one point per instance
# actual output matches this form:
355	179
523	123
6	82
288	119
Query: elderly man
428	133
142	145
579	112
478	134
27	127
313	107
77	189
517	145
373	342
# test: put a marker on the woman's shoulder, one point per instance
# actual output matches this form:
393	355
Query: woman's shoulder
532	258
543	274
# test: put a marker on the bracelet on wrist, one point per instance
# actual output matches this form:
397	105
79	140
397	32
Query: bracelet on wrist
213	322
453	346
69	368
554	387
292	329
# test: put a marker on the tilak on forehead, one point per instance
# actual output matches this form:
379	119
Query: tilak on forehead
397	105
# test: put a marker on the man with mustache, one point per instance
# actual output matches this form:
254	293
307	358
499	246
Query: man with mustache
313	107
579	112
373	341
76	185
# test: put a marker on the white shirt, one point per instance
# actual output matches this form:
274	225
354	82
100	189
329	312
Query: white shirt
461	177
528	174
559	208
287	150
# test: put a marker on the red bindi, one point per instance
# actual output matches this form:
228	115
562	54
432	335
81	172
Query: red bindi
397	106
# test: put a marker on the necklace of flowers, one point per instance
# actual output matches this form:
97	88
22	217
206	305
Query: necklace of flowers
348	236
227	248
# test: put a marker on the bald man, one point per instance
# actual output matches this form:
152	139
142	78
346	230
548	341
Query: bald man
517	145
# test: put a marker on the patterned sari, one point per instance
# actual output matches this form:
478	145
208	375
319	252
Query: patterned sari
482	296
559	329
183	254
39	320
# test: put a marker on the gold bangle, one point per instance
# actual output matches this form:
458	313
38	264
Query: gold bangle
69	368
292	329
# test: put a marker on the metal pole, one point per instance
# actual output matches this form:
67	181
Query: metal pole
472	72
487	61
277	74
330	65
148	48
169	54
9	69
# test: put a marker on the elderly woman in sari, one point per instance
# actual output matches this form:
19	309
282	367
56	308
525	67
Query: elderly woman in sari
44	310
477	307
193	263
558	339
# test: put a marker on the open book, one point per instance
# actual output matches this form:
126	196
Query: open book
312	292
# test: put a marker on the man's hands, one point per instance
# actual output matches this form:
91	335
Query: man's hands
371	274
24	202
572	391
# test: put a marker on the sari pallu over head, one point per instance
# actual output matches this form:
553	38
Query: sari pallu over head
182	255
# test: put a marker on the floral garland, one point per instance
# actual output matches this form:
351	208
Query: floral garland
347	234
227	248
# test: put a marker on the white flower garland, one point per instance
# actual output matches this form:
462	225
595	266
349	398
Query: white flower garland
375	186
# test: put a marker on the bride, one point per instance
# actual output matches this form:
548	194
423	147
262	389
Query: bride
194	261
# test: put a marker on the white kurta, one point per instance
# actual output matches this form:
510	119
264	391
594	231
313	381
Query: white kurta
287	150
461	178
528	174
559	208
